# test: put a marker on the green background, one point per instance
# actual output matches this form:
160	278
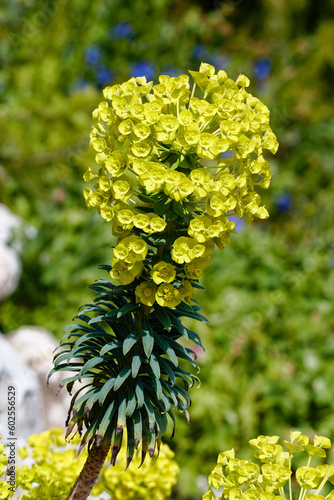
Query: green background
268	364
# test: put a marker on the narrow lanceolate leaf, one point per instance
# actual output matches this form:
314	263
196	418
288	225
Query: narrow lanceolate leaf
132	401
130	441
129	342
127	308
165	364
139	393
116	443
135	365
105	422
110	346
178	325
90	402
154	364
148	337
91	363
163	317
107	387
122	403
79	402
150	413
121	377
167	349
156	382
137	420
162	423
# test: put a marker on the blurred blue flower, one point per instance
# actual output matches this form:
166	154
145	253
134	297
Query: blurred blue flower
219	61
80	84
92	55
239	222
262	68
143	68
104	76
227	154
170	71
199	51
284	202
122	30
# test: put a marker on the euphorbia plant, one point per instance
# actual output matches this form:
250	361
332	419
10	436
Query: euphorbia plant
168	190
273	477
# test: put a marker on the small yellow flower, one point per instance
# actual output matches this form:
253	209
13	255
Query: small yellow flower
157	224
125	273
122	189
117	163
153	179
186	290
145	292
168	296
163	272
131	249
186	249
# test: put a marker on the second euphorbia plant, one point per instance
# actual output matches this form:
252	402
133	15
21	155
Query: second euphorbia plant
174	162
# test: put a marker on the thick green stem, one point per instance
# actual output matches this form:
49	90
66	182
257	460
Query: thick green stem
90	472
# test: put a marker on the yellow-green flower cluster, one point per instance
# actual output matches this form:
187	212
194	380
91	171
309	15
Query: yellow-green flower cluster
5	490
273	478
161	172
55	469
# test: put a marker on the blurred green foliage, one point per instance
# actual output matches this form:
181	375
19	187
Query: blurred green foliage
269	296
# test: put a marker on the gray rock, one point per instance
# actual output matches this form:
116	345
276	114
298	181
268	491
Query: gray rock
35	346
28	406
10	271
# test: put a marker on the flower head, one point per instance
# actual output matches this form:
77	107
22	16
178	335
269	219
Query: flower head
272	479
151	143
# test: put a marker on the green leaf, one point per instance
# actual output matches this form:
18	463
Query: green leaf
121	417
139	390
164	363
154	364
150	413
90	402
137	420
162	423
105	267
76	326
162	206
162	316
167	349
135	365
178	208
91	348
147	338
122	376
84	398
106	420
110	346
129	342
171	215
107	387
156	382
93	334
132	401
178	325
91	363
131	306
130	441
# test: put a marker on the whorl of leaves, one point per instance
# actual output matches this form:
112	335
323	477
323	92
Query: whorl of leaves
128	364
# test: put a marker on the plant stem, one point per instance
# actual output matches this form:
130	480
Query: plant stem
90	472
